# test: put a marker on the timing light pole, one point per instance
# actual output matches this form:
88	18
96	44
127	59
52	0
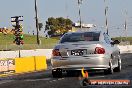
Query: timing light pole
79	7
106	17
125	25
37	27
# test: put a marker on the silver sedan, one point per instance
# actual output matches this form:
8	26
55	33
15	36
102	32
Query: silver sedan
91	50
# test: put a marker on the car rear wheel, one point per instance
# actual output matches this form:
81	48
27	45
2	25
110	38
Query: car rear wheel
118	68
109	70
57	73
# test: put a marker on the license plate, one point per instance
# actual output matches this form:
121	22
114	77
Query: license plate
78	52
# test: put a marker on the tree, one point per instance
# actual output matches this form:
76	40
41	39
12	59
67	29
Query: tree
58	25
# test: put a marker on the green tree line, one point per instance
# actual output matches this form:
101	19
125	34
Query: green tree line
57	26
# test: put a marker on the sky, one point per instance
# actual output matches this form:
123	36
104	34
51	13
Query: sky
92	11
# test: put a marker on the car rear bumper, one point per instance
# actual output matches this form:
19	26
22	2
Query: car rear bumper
77	63
79	67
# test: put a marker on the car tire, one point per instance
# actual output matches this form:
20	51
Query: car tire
57	73
109	70
118	68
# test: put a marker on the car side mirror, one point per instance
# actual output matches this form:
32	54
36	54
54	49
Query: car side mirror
115	42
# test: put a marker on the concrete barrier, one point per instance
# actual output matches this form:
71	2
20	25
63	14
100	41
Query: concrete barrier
125	48
7	65
47	52
26	64
26	53
22	65
41	63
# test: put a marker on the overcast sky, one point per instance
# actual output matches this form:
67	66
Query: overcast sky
92	11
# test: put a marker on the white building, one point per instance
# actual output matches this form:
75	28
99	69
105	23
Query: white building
84	25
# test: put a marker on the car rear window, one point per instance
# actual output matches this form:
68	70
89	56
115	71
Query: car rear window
76	37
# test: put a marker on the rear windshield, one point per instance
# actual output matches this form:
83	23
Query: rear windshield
76	37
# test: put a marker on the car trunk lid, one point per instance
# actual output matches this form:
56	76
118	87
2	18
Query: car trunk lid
78	49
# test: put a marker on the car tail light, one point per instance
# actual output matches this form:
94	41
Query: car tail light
99	50
56	52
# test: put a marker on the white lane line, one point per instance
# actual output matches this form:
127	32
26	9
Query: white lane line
7	81
59	79
54	80
97	77
50	81
45	79
62	78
